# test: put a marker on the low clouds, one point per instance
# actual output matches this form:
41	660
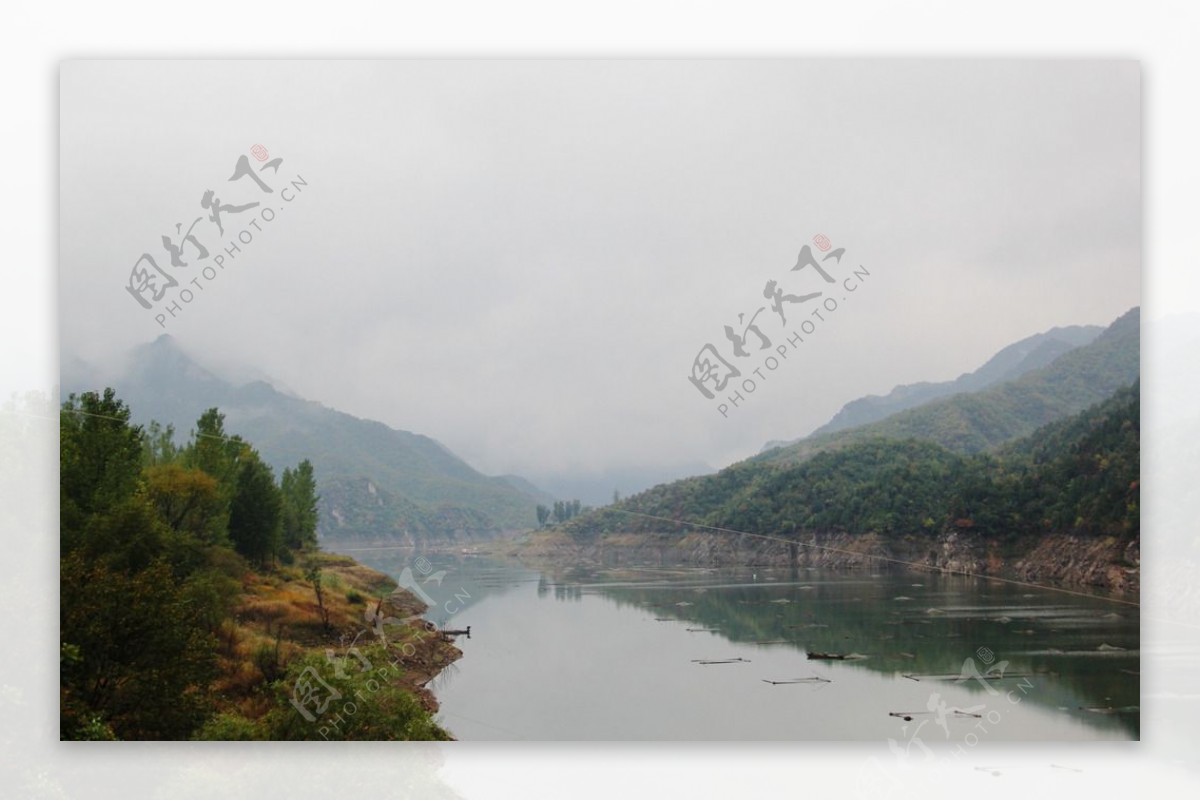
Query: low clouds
521	259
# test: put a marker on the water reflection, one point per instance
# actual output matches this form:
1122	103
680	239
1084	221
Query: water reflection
692	653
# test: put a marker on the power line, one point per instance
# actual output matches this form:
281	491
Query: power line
234	438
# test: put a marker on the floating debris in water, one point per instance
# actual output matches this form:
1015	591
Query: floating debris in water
1106	647
704	629
782	601
720	661
1004	619
902	598
838	657
685	603
962	713
935	611
809	680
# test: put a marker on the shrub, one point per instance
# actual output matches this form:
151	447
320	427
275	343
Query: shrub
229	726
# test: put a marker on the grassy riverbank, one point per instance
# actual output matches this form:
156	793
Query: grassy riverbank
363	641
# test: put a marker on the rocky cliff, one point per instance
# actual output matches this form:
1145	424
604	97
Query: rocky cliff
1106	564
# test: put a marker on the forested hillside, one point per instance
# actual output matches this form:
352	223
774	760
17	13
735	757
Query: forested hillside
425	490
1009	363
193	598
977	421
1078	475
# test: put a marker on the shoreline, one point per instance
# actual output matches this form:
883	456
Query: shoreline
1103	566
318	659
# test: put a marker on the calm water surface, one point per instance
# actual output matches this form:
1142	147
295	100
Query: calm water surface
691	653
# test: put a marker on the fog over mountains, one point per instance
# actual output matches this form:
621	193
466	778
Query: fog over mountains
1011	362
1026	385
375	482
380	483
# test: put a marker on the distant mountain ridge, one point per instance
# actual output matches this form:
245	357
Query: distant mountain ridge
1010	362
375	482
1079	474
971	422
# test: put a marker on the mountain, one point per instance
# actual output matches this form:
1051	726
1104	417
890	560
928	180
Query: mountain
1012	362
529	488
970	422
1077	475
375	482
596	487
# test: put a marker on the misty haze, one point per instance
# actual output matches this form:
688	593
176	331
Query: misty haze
601	400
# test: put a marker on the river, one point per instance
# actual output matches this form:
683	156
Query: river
691	653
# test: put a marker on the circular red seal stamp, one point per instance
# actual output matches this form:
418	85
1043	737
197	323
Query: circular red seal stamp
259	152
822	241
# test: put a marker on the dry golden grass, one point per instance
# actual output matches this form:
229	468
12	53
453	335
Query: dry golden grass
278	613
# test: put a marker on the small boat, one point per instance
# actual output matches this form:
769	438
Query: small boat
823	655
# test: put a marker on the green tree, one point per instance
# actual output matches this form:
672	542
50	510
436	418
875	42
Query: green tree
255	514
300	499
219	455
188	500
100	455
158	444
140	657
313	574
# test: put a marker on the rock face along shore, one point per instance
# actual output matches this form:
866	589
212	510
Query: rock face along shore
1101	563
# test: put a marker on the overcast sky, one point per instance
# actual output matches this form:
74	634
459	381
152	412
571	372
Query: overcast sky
523	259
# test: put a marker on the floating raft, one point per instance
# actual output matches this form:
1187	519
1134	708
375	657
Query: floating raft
956	712
836	657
